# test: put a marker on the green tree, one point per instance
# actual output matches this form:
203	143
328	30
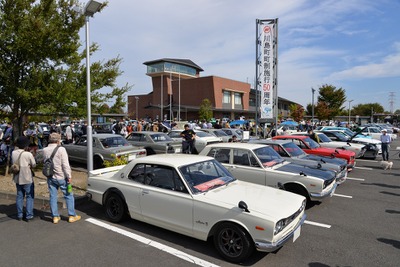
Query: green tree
367	109
41	69
333	99
205	111
296	112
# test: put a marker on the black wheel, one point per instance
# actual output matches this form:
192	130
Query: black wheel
97	163
115	208
233	242
150	151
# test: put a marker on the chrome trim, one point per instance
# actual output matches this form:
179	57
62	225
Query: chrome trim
325	194
272	246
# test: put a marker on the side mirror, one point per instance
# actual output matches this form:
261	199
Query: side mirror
242	205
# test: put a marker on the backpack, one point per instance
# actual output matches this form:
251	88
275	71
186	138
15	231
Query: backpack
14	169
48	166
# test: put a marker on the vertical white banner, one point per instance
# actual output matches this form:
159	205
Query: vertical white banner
267	71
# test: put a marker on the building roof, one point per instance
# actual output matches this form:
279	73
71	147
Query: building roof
186	62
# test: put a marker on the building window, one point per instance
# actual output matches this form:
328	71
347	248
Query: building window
238	98
227	97
252	102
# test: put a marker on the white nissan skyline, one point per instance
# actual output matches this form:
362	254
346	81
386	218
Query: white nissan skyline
196	196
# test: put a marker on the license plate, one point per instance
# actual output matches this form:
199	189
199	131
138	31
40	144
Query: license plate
131	157
296	233
177	150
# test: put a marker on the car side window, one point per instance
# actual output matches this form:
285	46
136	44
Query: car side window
221	155
279	150
166	178
138	172
241	157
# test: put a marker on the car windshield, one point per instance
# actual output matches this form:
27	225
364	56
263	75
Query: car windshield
220	133
206	175
45	127
324	138
160	137
203	134
116	141
293	149
311	143
268	156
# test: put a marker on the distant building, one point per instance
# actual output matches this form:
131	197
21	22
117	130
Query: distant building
178	91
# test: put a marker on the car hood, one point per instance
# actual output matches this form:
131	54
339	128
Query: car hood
270	202
170	143
336	152
315	164
123	149
367	140
305	170
337	161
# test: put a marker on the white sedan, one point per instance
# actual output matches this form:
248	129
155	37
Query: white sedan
196	196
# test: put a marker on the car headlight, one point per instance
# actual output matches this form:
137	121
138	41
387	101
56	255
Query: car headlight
278	227
281	224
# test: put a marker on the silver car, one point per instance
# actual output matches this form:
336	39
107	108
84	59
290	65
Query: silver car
154	142
218	133
202	138
105	147
260	164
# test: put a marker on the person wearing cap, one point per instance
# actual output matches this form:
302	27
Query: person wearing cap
60	179
386	139
24	178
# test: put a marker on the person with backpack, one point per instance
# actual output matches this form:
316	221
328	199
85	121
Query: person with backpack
60	178
23	178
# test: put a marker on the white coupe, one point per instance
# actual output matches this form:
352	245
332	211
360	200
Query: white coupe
196	196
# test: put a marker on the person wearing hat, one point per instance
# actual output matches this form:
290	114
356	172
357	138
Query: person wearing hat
60	179
24	178
386	139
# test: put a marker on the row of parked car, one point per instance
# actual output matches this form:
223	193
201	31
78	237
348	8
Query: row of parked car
245	196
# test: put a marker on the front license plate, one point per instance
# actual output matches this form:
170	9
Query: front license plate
178	150
296	233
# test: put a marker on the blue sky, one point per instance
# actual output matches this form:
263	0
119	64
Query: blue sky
352	44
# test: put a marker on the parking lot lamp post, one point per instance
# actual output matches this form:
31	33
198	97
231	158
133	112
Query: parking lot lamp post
137	110
312	106
349	111
91	8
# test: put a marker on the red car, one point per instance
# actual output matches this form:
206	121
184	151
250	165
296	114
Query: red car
311	147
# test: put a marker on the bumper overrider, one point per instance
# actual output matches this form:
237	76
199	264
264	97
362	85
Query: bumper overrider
265	246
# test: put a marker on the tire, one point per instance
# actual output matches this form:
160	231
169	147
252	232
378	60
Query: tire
97	163
233	242
115	208
150	151
298	190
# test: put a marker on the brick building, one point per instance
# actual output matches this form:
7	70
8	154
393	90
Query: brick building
178	91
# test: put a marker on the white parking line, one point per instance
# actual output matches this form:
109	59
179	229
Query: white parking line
152	243
364	168
339	195
356	179
317	224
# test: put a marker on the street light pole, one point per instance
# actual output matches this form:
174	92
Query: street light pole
91	8
312	106
137	110
349	111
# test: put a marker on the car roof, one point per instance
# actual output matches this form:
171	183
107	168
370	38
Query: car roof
173	160
271	141
237	145
293	136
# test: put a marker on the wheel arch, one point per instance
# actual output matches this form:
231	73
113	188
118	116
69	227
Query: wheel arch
295	187
214	228
110	191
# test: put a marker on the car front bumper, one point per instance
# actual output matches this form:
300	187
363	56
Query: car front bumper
324	194
265	246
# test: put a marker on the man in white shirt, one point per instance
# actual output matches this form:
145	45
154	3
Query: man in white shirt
386	140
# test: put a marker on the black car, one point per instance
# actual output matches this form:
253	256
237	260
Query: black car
372	149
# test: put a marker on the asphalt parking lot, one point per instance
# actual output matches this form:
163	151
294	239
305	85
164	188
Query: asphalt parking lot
358	226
